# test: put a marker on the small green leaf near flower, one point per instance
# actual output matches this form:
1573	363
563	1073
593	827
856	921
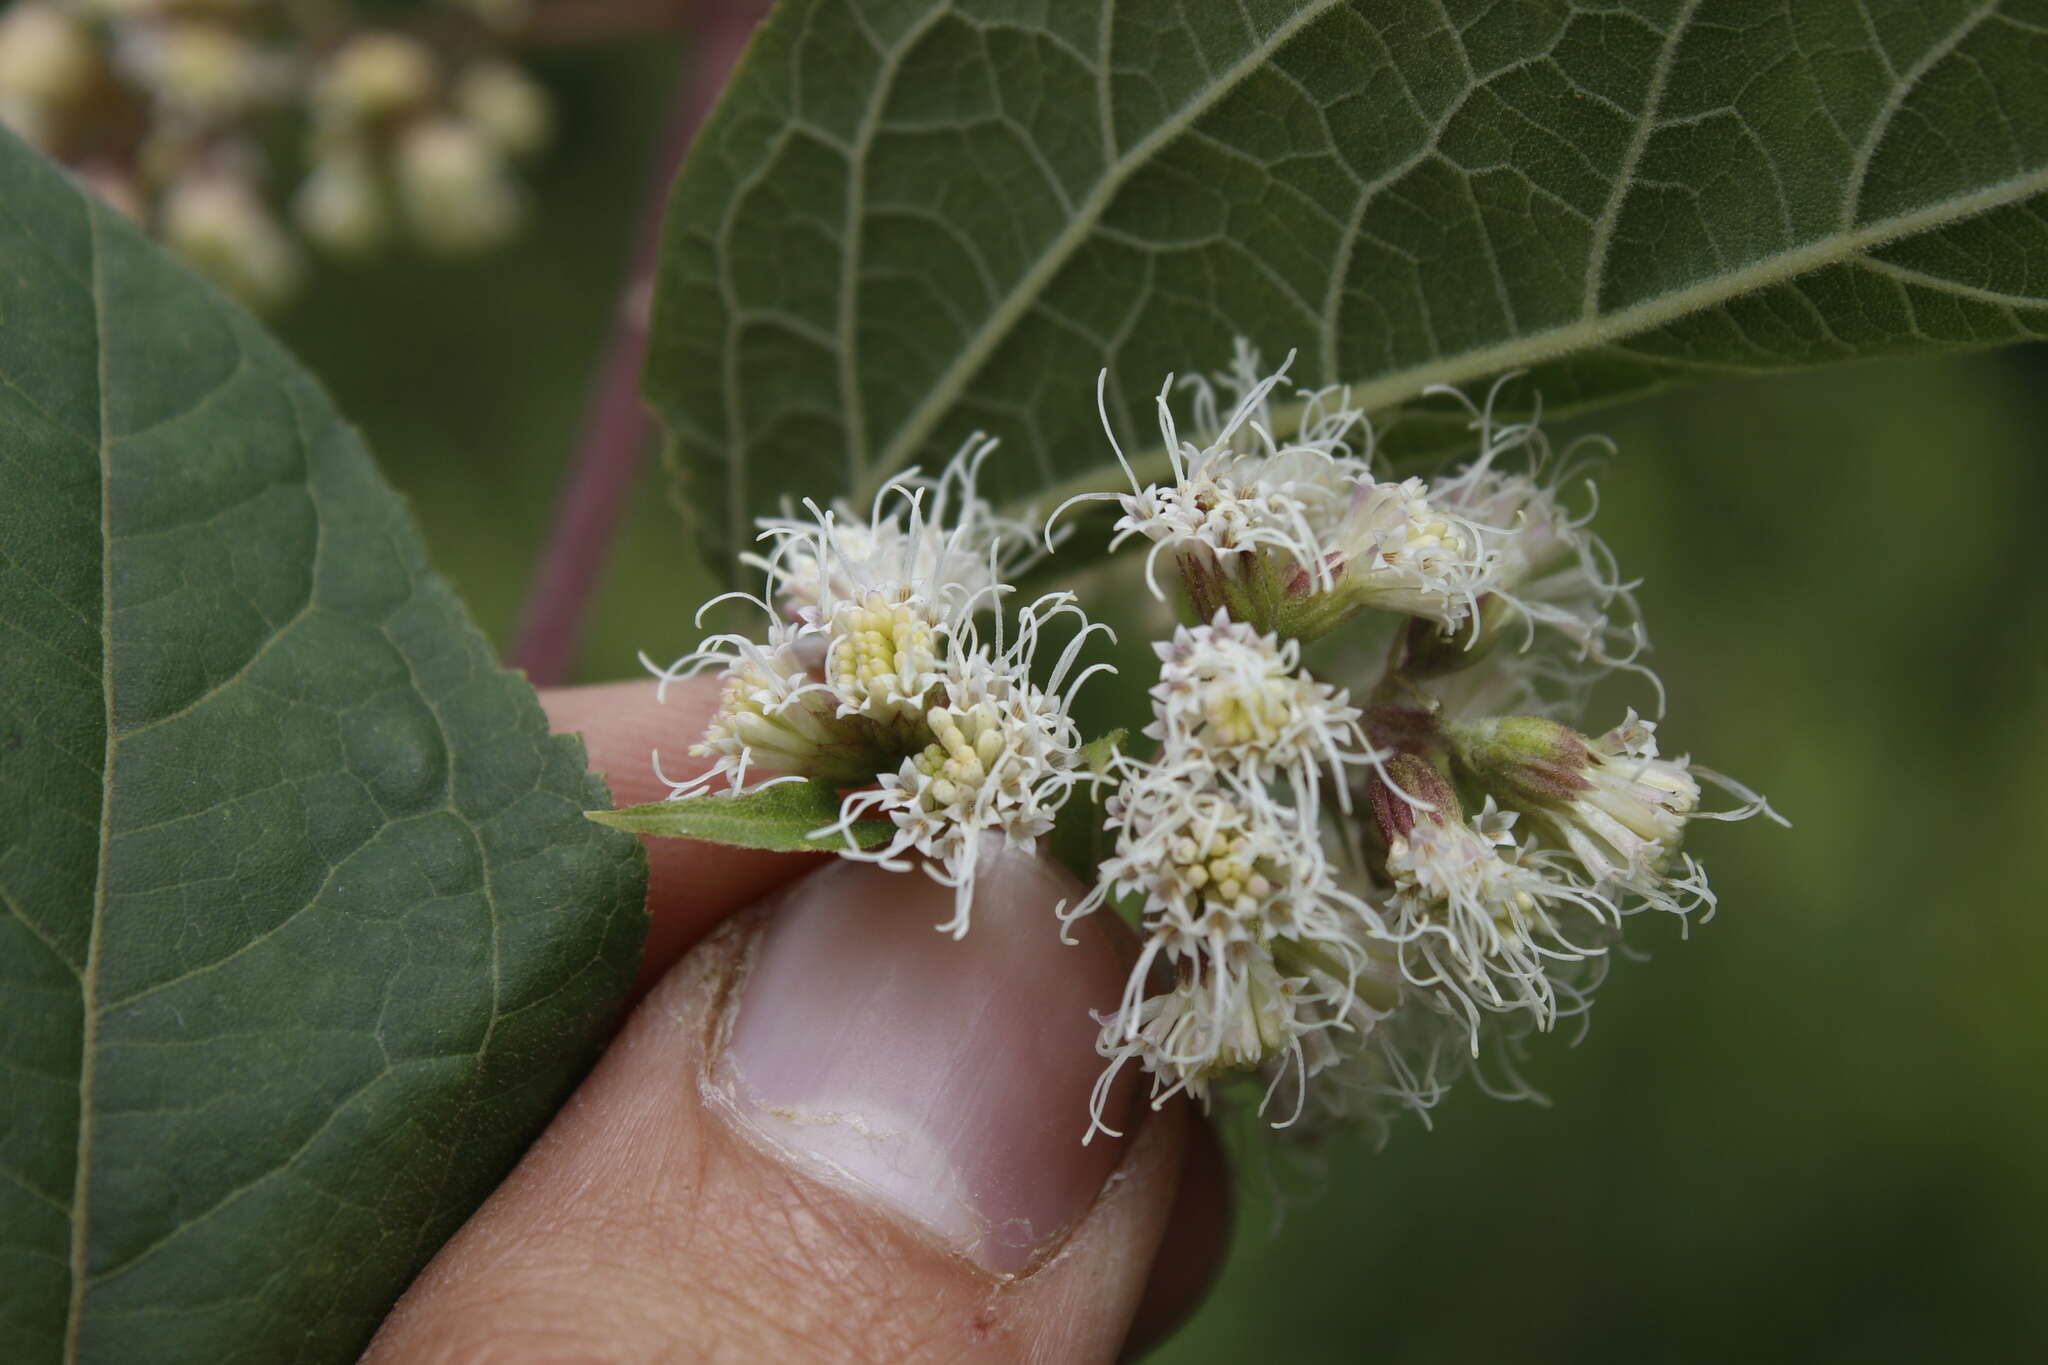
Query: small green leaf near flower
787	817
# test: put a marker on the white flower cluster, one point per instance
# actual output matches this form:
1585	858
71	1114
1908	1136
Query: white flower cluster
1345	901
1296	535
875	675
1221	844
166	108
1390	936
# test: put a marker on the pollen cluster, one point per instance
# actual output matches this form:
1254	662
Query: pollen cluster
883	656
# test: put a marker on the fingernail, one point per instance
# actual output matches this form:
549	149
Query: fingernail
947	1080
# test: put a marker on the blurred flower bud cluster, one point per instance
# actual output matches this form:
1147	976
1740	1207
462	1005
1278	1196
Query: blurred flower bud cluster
242	131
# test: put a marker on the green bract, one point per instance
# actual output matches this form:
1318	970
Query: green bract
784	817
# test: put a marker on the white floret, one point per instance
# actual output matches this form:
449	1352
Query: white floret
1002	756
935	538
1240	701
1486	921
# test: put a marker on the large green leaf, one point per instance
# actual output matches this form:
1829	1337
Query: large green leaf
302	932
912	218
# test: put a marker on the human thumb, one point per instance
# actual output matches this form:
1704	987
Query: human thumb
831	1133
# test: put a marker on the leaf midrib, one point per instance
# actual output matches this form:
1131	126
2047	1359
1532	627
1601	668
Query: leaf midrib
88	982
1834	249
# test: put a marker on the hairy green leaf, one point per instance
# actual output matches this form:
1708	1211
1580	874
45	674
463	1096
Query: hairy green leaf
302	934
913	218
782	818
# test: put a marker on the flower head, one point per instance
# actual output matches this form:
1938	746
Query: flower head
874	666
200	70
1241	905
1240	495
218	223
840	697
1294	535
1395	549
1236	1016
341	205
934	538
454	187
1000	756
1235	406
1612	804
1474	915
882	654
1239	700
506	105
374	75
1417	1049
775	716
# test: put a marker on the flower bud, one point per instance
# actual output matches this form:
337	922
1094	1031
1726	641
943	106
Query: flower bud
341	204
1407	789
1527	762
505	105
217	223
47	60
1267	590
453	187
375	75
202	69
1252	588
1619	808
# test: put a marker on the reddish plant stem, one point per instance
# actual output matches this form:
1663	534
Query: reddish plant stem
616	428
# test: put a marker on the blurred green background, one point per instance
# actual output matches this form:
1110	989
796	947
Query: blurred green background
1819	1131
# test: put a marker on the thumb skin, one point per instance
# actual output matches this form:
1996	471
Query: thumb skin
832	1134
